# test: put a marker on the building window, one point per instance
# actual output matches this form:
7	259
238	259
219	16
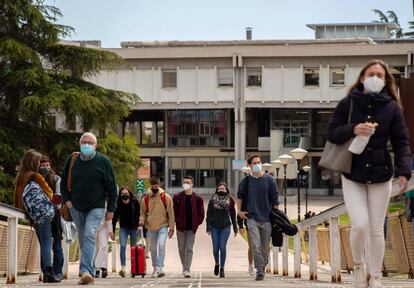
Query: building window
254	76
169	78
151	132
206	171
204	128
337	76
311	76
295	124
322	120
225	77
189	128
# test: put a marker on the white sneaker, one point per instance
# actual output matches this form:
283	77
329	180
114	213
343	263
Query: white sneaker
155	273
375	282
251	270
160	272
360	280
187	274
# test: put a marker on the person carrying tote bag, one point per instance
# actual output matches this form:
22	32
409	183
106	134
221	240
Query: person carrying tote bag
377	116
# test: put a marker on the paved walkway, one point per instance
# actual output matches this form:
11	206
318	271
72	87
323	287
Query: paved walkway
203	264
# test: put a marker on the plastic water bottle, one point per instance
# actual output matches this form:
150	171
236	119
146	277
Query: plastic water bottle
358	144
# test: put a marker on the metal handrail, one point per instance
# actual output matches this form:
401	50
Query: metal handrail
331	214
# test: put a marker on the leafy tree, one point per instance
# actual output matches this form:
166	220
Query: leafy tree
391	17
124	155
410	34
39	75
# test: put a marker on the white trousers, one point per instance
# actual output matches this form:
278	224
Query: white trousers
367	206
101	256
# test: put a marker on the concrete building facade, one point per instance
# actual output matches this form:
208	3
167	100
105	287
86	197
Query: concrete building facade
207	103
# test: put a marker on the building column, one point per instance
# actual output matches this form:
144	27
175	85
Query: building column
239	121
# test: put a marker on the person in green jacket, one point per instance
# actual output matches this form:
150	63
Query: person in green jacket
92	184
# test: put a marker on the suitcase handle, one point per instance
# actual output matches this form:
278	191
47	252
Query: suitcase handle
141	233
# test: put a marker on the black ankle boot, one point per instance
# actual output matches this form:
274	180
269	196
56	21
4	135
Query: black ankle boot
216	269
222	273
97	273
49	276
104	272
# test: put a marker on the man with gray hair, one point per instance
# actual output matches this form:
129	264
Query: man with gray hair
88	181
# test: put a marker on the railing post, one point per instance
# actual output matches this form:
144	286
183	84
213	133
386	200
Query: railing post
285	256
269	265
12	234
114	255
65	247
297	245
335	248
313	251
275	260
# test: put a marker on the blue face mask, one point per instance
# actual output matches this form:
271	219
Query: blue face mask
257	168
87	149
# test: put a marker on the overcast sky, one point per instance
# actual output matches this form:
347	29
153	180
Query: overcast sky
138	20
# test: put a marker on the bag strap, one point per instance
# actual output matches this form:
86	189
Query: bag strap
72	162
351	107
162	196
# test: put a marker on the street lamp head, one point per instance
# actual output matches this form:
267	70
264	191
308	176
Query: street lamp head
285	159
306	168
277	163
298	153
266	166
246	169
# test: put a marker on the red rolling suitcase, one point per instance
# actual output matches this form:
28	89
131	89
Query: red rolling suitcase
138	261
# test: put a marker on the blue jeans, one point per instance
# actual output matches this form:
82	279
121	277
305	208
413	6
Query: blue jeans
87	224
158	239
219	238
44	234
57	256
123	237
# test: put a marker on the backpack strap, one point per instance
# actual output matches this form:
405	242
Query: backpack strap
164	201
72	162
162	196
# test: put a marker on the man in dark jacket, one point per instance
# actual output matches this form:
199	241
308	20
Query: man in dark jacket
258	195
189	214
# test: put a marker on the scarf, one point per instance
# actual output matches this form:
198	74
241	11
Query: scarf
221	202
19	188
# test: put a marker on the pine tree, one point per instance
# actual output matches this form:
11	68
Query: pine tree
39	74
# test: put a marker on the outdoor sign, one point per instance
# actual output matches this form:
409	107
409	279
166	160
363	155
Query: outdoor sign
140	187
238	164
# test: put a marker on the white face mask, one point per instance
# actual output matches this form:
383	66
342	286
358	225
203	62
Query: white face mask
187	187
373	84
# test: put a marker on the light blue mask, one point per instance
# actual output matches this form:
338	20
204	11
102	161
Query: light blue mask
87	149
257	168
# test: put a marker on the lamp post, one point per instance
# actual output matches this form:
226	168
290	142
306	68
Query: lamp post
266	167
298	154
277	164
284	159
306	169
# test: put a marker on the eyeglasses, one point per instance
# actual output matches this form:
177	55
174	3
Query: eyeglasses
87	142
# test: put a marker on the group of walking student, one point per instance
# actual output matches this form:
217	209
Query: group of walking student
88	190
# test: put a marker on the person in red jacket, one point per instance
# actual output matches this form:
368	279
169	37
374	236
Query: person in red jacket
189	214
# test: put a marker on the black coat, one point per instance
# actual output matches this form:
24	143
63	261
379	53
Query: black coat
374	164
